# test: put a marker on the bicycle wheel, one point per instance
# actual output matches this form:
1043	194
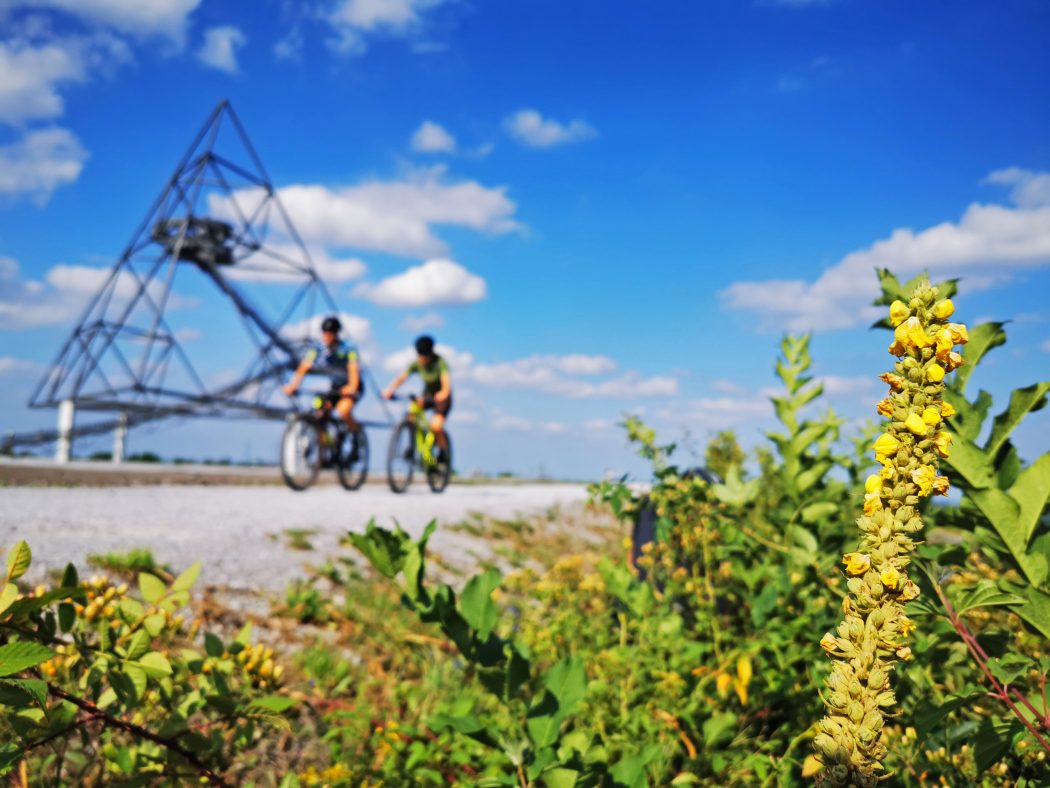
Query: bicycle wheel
353	459
300	453
439	473
401	457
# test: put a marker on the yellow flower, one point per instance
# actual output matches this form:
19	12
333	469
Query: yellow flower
888	471
958	333
934	373
915	424
932	416
886	446
872	503
899	313
722	683
942	440
910	333
873	483
907	626
943	309
954	361
856	563
940	485
904	652
947	411
923	476
910	591
885	408
829	642
890	577
811	767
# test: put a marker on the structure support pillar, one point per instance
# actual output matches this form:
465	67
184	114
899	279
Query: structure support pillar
64	446
120	439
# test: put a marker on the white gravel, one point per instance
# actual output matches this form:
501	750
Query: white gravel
232	529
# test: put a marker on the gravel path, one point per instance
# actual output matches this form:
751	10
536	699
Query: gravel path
238	532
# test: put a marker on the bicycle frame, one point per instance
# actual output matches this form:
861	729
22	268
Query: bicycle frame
425	437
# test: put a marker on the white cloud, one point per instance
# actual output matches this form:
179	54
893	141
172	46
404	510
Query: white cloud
355	20
40	162
985	246
431	137
518	424
165	18
396	217
597	425
433	282
554	375
717	412
529	127
280	261
219	50
30	76
9	365
837	385
422	322
291	46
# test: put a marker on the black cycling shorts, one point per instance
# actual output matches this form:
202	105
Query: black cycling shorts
440	408
336	393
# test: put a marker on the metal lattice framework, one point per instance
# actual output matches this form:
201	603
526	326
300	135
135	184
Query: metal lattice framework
218	223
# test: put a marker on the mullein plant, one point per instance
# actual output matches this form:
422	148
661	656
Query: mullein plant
873	635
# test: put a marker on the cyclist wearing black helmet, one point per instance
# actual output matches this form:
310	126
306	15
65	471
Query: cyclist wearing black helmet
437	386
339	361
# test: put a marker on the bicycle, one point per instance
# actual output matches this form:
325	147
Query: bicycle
318	439
412	445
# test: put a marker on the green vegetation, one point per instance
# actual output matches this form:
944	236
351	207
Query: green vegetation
554	663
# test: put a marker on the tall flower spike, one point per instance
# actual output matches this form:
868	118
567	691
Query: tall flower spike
851	740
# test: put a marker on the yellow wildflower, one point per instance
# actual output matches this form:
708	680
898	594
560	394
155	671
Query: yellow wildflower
923	476
942	440
896	348
888	472
954	361
886	446
873	483
885	408
890	577
932	416
743	679
910	591
872	503
958	332
947	411
811	766
907	626
722	683
904	652
829	642
856	563
898	313
940	485
915	424
934	373
943	309
910	333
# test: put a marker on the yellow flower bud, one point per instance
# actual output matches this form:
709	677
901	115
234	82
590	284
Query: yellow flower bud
943	309
872	503
904	652
873	483
886	446
947	411
942	440
915	424
934	373
899	313
890	577
856	563
931	416
811	766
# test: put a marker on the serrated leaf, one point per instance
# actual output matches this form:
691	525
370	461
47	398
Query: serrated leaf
137	677
984	594
185	581
151	587
1010	667
8	594
21	655
35	689
18	560
139	644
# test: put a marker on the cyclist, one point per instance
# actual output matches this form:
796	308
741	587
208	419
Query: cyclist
437	388
339	361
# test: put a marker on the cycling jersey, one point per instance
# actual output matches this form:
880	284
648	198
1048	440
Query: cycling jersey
333	362
430	373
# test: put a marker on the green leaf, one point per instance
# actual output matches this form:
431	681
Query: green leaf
21	655
1031	491
816	512
735	491
139	644
993	741
18	560
151	587
630	772
984	594
185	581
156	665
213	645
476	605
1010	667
1022	401
8	594
560	777
983	337
10	755
466	724
567	680
137	677
718	729
1036	610
277	704
384	549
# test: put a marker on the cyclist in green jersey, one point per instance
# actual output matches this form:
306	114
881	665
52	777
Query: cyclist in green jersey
339	361
437	386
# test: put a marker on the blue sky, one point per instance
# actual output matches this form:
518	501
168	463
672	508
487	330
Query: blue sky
598	207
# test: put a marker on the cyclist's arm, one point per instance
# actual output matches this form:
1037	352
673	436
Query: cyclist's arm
395	384
446	388
353	376
300	373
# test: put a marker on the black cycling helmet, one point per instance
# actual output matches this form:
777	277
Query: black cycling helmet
331	324
425	346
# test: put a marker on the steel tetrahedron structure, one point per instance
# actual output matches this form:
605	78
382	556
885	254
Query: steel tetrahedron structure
216	236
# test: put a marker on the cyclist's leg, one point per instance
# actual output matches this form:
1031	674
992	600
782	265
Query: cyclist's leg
437	422
345	408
